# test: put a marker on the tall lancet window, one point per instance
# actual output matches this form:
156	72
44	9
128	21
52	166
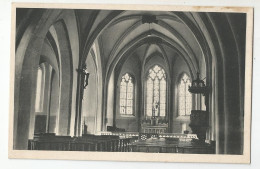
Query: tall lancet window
184	96
39	86
126	95
156	92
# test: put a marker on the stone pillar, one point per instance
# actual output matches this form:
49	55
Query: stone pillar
26	64
47	94
26	112
54	102
66	77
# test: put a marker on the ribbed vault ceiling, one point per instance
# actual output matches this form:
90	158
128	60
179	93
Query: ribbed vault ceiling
144	33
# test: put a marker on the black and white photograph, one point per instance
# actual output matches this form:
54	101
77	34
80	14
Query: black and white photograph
121	82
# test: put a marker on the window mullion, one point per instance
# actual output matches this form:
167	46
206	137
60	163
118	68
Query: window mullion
159	98
152	96
126	97
185	98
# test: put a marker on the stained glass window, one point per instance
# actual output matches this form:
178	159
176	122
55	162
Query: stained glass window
156	92
184	96
126	95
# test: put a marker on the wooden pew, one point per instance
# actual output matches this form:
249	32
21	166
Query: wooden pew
112	143
49	142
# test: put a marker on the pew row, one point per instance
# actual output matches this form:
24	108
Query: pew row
84	143
116	143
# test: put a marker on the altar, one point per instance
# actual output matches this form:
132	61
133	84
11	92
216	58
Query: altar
154	123
155	129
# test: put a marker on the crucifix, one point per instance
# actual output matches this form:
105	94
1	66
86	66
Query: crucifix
84	74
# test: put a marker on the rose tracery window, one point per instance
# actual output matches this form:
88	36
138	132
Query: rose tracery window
126	95
156	92
184	96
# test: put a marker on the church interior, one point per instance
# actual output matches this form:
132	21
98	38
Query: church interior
129	81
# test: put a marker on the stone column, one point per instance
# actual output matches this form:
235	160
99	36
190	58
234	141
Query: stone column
26	113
